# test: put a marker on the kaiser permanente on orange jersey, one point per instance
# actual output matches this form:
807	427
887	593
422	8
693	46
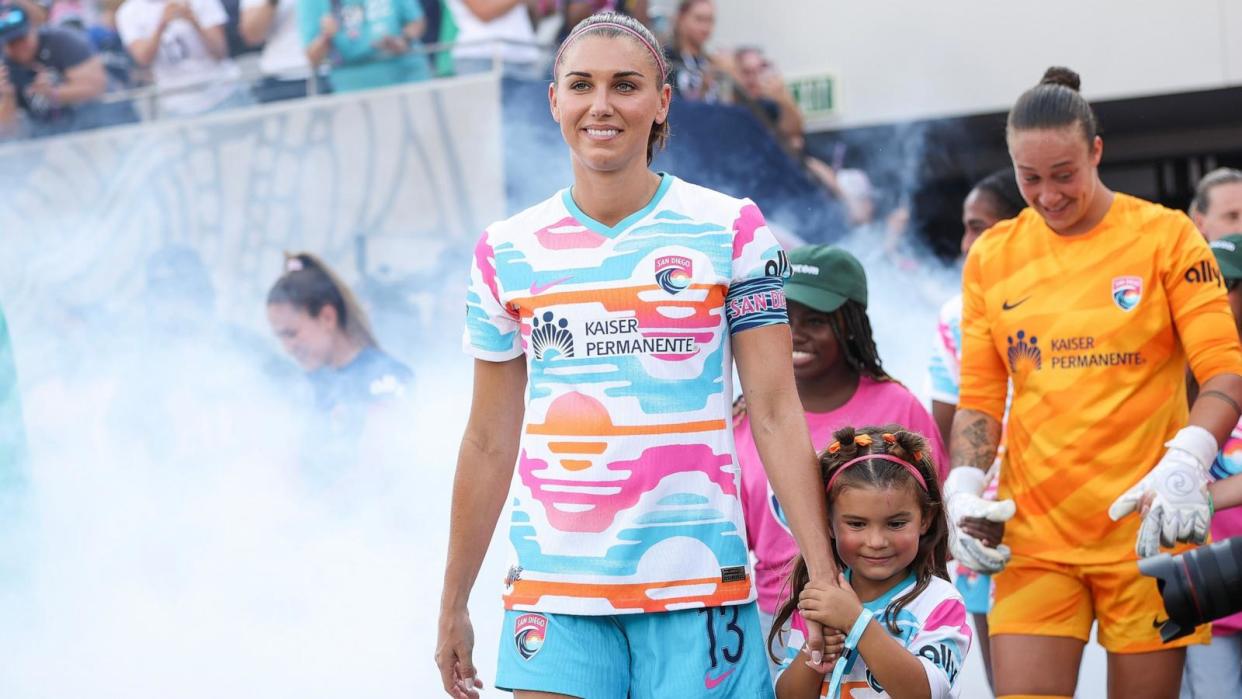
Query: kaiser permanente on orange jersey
1088	330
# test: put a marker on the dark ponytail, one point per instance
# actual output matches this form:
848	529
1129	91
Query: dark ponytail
1053	104
309	285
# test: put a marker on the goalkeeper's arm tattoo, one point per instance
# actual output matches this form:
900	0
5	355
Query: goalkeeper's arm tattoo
974	439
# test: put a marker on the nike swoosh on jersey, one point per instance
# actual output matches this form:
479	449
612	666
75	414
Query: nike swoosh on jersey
1006	306
714	682
536	289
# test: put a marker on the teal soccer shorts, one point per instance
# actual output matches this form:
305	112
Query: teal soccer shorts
711	652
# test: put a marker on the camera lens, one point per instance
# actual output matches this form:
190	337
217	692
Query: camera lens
1197	586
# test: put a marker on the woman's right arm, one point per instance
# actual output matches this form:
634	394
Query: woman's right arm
485	465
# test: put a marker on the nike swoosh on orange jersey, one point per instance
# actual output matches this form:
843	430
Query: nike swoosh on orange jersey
1006	306
714	682
536	289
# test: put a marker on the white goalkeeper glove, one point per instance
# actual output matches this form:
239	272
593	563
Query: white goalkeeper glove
962	496
1180	507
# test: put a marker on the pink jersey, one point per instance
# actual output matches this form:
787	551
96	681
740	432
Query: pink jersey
874	403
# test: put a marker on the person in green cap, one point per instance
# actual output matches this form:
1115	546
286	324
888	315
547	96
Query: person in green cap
12	435
840	380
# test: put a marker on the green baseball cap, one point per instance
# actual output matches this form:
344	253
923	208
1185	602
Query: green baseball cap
825	277
1228	251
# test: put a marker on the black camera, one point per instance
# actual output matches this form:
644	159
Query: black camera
1197	586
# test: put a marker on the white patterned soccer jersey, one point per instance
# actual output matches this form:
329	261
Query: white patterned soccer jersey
932	627
625	497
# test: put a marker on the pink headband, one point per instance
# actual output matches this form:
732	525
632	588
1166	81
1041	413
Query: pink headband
885	457
556	62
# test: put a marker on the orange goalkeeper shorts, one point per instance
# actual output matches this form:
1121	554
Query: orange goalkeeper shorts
1044	598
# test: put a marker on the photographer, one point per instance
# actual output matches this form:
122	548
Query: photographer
54	77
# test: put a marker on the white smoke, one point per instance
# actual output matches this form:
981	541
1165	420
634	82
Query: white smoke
210	564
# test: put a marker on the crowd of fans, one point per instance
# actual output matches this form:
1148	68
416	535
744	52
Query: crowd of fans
64	58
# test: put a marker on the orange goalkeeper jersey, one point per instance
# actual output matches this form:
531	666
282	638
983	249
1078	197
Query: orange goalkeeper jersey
1095	332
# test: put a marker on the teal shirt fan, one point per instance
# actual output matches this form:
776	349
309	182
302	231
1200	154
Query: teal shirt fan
12	433
358	59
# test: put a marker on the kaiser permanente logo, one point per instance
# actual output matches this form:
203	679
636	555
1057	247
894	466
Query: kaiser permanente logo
553	338
1026	355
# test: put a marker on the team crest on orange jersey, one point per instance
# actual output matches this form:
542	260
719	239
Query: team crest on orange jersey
1127	292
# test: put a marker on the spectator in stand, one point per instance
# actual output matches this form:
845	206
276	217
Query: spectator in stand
763	89
368	43
107	42
54	77
273	24
185	46
574	11
1217	206
494	29
76	14
697	75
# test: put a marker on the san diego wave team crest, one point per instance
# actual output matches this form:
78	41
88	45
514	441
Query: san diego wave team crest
529	632
673	273
1127	292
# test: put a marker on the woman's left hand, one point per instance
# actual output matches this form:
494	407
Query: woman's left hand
833	605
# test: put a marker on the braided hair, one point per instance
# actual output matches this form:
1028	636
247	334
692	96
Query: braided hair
911	447
853	330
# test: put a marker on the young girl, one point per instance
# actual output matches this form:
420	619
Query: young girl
906	627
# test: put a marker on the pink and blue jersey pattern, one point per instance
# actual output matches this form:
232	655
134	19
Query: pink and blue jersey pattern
932	627
625	497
